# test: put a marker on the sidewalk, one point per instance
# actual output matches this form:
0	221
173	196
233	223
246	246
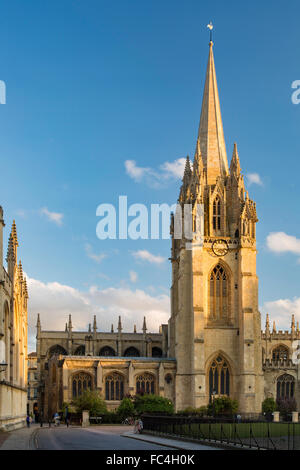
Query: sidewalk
20	439
163	441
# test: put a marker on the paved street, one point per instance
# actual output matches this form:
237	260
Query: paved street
96	438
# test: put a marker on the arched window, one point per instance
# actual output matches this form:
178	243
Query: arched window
80	383
219	378
107	351
156	352
80	351
217	214
280	353
114	386
145	383
219	293
131	352
56	350
285	386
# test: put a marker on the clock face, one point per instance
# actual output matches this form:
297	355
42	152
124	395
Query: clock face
220	247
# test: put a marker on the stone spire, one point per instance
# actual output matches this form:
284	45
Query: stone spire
70	324
267	323
95	324
112	328
38	325
293	324
211	134
274	327
119	325
20	271
235	167
187	172
144	326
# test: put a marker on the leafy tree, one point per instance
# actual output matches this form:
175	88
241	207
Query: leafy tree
268	405
153	403
202	411
126	408
223	406
91	401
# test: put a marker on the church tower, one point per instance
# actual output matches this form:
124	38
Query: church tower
215	327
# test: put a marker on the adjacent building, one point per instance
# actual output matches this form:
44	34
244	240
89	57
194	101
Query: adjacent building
32	386
13	335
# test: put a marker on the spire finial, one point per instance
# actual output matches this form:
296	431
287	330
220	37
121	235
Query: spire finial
210	27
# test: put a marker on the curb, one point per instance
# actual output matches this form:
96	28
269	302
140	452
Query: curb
208	444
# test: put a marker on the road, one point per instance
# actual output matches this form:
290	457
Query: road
97	438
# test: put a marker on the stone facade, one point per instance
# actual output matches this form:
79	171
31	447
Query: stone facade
33	383
13	335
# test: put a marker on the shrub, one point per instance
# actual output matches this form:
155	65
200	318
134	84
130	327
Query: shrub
286	406
222	406
153	403
91	401
194	411
268	405
126	409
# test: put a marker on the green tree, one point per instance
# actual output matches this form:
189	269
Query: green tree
126	408
91	401
153	403
268	405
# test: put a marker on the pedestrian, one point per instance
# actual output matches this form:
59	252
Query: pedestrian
28	421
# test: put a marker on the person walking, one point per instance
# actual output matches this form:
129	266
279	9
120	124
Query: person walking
28	421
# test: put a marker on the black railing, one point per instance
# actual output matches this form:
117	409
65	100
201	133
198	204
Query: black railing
238	433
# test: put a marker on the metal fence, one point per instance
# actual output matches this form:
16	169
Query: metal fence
239	434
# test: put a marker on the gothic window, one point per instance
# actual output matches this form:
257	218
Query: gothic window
131	352
81	383
156	352
56	350
114	387
280	353
80	351
145	383
219	378
107	351
219	293
217	214
285	386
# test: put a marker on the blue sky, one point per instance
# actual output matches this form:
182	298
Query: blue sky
91	84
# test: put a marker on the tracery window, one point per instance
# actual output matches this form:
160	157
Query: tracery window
156	352
57	350
285	386
217	214
80	351
145	383
280	353
80	383
219	378
114	386
219	293
107	351
131	352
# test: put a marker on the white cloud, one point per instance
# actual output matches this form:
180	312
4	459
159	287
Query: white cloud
133	276
156	178
56	217
254	178
95	257
135	172
55	301
281	311
145	255
280	242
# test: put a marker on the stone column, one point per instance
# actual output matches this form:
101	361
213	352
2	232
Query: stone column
275	416
161	380
65	385
131	387
295	416
99	379
85	419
